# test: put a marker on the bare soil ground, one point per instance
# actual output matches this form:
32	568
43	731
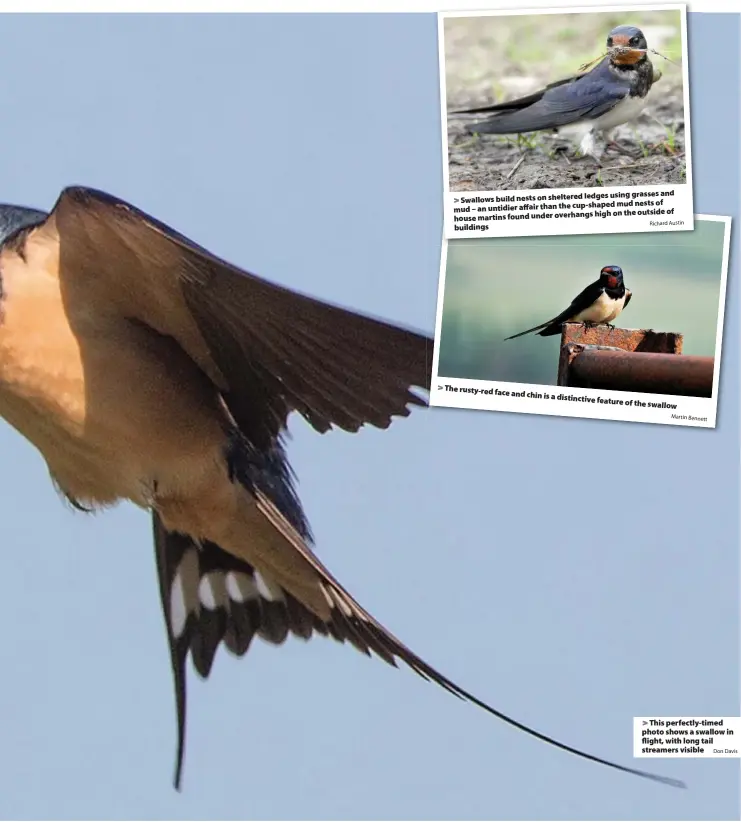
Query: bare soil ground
496	58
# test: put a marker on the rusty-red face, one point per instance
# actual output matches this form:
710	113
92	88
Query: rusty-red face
626	49
612	275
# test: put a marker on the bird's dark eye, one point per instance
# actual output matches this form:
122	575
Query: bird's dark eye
634	41
609	41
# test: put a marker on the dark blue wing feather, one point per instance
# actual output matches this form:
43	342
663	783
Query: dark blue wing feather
588	96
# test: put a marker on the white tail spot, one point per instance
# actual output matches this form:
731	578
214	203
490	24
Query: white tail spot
184	592
241	587
268	589
212	591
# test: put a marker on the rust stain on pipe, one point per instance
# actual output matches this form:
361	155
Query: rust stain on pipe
639	371
629	339
574	336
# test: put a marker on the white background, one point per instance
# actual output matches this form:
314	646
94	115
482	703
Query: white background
681	202
686	406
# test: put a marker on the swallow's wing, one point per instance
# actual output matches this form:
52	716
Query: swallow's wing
628	295
589	96
519	102
210	597
269	350
582	300
561	318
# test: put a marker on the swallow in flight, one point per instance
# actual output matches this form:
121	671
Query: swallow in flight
584	105
599	304
144	368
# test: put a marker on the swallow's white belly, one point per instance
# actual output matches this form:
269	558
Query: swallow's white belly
586	131
603	310
627	109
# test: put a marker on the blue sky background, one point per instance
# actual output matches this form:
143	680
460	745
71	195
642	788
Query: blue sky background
576	573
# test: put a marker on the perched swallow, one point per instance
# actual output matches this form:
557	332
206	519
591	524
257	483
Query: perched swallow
144	368
599	304
583	105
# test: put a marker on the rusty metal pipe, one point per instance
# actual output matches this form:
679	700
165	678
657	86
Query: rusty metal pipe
674	374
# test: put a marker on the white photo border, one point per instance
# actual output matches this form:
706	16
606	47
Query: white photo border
683	218
698	412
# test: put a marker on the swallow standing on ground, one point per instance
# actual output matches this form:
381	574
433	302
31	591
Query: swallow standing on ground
583	105
144	368
599	304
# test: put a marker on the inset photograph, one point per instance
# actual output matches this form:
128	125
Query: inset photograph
572	101
626	328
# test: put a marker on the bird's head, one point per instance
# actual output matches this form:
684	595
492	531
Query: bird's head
14	218
626	45
611	276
